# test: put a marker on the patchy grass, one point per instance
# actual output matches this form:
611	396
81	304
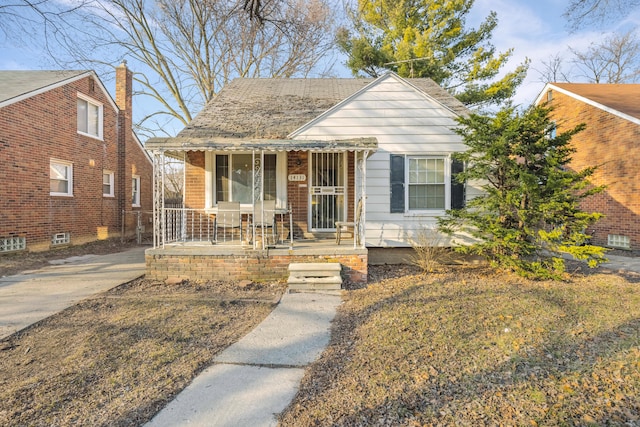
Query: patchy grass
471	347
118	358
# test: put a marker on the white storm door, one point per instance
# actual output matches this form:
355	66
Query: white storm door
327	191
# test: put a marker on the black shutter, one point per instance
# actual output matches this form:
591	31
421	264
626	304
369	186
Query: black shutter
397	183
457	188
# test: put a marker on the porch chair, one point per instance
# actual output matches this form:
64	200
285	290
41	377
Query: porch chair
264	215
228	217
349	226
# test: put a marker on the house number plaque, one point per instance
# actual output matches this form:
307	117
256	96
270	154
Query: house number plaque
297	177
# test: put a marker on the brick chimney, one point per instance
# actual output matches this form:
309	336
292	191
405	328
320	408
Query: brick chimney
124	85
124	95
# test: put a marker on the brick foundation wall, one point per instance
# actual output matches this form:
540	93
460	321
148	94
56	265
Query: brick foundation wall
256	265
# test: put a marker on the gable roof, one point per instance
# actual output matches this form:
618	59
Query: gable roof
16	85
423	86
251	110
618	99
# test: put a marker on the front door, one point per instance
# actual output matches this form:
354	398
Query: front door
327	190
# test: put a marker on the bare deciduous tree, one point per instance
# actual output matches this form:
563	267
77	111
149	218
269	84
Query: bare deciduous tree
553	70
614	60
582	13
21	19
184	51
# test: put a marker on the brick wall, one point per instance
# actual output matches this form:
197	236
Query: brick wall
194	180
42	127
254	265
298	191
613	144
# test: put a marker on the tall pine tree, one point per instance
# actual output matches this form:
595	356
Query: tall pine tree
428	38
529	213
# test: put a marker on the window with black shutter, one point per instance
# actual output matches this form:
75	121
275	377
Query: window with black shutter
426	184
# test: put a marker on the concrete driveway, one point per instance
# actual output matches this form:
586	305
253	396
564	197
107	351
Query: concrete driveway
34	295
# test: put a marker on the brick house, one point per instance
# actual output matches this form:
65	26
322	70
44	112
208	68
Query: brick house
610	141
71	162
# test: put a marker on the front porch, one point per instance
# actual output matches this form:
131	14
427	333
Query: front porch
251	208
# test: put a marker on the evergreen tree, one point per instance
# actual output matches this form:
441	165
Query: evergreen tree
529	213
427	38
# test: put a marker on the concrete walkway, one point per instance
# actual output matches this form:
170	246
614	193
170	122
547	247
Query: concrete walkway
34	295
255	379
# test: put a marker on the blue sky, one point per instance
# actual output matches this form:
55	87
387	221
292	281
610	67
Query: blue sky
534	28
537	30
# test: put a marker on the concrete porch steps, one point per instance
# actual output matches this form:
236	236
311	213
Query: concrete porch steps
315	276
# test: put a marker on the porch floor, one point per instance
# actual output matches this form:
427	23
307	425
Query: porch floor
321	243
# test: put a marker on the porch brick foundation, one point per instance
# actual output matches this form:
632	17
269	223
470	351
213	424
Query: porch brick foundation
257	265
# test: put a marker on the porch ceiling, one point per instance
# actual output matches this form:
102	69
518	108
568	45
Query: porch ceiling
174	144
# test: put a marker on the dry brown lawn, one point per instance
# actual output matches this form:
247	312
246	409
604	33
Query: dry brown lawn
117	358
469	347
461	346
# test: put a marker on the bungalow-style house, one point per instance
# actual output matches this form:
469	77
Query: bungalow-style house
610	141
371	157
72	166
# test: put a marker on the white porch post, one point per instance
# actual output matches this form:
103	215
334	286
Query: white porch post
158	199
258	191
361	197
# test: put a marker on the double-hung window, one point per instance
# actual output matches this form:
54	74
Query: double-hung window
89	117
60	178
427	184
233	177
107	184
135	191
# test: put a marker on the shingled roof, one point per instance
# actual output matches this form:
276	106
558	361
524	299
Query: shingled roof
622	98
255	112
15	85
268	108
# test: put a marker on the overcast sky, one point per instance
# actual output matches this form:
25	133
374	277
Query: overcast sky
535	29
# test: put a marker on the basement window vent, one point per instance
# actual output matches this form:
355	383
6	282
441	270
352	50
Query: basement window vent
617	241
60	239
12	244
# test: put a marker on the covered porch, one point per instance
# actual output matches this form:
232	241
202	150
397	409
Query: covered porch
252	207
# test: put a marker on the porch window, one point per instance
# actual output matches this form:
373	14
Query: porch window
234	178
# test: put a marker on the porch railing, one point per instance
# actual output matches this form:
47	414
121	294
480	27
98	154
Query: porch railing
197	227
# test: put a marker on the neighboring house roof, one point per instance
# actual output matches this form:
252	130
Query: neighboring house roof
617	99
271	109
17	85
